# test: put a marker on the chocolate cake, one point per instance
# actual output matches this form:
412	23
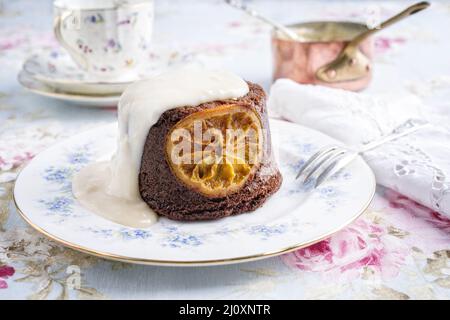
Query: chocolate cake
202	190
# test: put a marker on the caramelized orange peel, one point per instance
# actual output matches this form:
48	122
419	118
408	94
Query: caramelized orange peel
215	151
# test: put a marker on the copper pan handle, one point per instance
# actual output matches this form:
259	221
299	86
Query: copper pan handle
400	16
351	64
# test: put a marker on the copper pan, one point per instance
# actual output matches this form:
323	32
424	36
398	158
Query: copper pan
319	44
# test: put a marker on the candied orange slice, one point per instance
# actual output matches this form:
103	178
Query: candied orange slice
215	151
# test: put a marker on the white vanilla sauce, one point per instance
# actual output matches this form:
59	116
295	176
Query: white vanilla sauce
110	189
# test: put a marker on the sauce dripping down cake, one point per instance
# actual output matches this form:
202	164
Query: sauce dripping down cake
193	144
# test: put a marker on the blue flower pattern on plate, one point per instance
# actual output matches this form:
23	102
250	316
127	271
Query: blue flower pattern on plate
61	177
265	232
173	237
59	206
180	240
123	233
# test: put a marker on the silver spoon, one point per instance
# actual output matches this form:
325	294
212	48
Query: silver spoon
286	31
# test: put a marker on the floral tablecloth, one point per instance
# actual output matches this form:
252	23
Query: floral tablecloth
396	250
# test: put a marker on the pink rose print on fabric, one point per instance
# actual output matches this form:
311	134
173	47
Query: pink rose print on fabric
427	215
5	273
19	146
7	163
349	252
11	40
7	44
383	44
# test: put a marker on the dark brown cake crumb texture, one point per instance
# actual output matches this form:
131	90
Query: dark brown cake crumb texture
169	197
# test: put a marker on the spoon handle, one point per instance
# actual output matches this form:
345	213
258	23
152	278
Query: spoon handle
405	13
239	5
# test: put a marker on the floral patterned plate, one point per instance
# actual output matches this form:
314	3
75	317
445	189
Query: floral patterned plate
294	217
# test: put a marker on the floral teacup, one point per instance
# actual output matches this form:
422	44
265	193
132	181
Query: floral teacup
106	38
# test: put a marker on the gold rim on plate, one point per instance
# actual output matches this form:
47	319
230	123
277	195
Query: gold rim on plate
255	257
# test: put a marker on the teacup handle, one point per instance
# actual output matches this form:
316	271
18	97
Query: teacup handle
76	55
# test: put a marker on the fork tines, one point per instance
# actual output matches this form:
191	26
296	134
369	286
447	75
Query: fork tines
324	163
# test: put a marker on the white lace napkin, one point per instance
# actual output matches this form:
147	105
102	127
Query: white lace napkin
416	165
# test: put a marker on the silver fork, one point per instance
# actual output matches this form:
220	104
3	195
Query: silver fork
331	159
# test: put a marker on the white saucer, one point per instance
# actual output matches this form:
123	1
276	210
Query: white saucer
35	86
294	217
56	69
